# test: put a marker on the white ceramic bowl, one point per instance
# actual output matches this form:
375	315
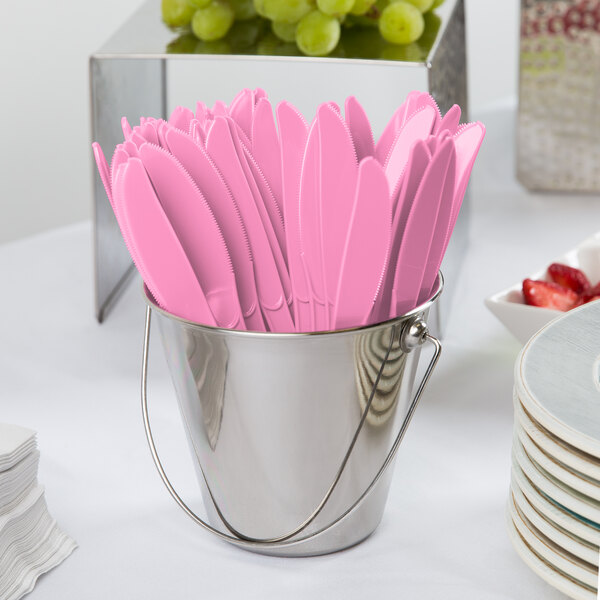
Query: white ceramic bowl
523	320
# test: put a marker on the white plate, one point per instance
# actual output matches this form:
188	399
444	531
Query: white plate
569	477
573	544
540	567
557	378
577	570
569	498
555	447
561	516
523	320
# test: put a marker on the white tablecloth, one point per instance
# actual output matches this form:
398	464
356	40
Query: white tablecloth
443	534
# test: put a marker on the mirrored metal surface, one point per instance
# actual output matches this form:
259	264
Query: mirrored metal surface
270	418
559	116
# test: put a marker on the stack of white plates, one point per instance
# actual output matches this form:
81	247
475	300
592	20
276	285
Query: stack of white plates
554	504
30	541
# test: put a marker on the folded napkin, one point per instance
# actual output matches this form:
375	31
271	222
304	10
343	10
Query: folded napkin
31	543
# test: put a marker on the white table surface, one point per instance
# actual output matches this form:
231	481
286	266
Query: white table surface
443	534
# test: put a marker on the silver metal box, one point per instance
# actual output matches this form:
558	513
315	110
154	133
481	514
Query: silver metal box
559	100
145	69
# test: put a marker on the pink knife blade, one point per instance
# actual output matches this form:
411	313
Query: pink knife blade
367	248
309	221
181	117
265	205
467	140
418	160
154	247
265	147
417	127
104	170
425	99
417	236
119	157
338	177
198	232
220	109
197	132
241	110
268	200
293	132
125	127
394	125
204	172
221	148
450	120
360	127
436	251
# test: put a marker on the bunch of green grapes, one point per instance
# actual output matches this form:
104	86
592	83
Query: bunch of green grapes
315	26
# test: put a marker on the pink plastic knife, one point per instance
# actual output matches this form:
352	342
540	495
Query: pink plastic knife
394	125
338	177
265	147
198	232
309	211
221	149
293	131
202	169
417	236
367	248
417	127
154	247
437	248
270	216
360	128
418	160
103	169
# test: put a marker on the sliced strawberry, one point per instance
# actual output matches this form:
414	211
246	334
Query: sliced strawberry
548	295
569	277
590	294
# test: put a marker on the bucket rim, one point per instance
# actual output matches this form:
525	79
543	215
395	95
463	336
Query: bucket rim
151	303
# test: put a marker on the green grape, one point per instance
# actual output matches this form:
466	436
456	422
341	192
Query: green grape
213	47
284	31
422	5
199	3
177	13
335	8
407	52
286	11
362	42
401	23
436	3
243	35
259	7
243	9
370	19
432	26
184	44
360	7
318	34
270	45
213	22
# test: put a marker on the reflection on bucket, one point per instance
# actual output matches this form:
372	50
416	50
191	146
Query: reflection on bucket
207	358
292	434
370	351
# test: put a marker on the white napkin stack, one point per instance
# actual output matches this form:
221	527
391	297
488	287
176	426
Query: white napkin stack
31	543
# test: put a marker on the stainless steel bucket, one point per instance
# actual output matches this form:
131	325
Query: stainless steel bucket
292	434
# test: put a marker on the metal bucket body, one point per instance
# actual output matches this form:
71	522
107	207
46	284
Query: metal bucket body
270	417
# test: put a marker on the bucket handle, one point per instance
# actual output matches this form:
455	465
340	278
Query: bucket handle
413	334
